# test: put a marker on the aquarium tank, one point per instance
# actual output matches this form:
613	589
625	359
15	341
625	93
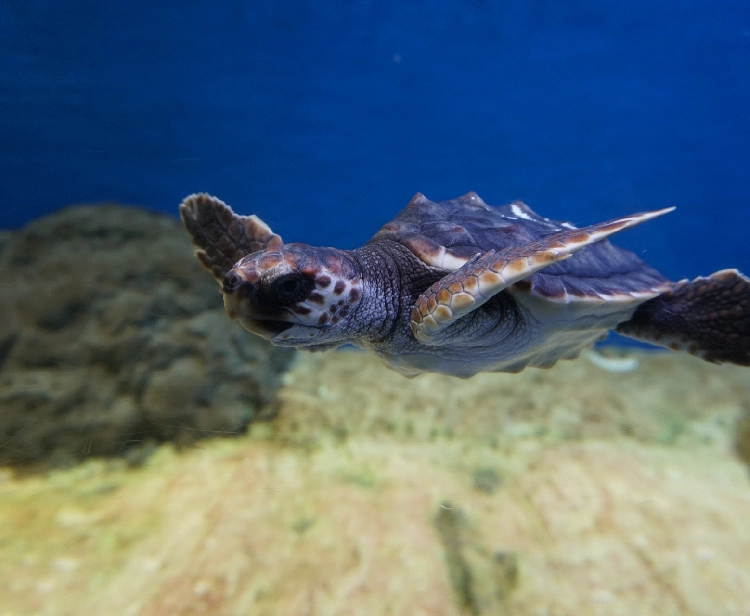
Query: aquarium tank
422	366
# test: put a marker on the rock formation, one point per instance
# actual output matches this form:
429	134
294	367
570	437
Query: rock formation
112	338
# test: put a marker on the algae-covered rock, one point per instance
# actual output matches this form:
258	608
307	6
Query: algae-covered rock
111	335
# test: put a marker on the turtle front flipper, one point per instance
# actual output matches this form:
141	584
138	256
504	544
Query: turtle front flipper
484	276
222	237
707	317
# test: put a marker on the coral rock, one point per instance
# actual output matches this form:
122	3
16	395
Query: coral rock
111	335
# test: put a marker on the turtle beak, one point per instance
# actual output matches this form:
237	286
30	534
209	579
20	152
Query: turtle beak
267	329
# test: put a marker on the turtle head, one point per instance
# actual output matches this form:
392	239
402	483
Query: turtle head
294	294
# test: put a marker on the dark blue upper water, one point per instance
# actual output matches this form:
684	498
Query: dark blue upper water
325	117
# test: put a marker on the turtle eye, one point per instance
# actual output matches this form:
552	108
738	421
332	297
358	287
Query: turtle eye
289	289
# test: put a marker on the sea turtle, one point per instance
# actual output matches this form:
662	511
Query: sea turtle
460	287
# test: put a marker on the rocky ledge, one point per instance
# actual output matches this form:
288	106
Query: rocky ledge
113	339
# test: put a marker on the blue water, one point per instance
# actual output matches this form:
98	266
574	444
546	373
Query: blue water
325	117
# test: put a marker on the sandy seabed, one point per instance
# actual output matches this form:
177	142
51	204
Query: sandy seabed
565	492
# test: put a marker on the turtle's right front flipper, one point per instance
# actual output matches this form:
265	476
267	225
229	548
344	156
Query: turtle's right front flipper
222	237
707	317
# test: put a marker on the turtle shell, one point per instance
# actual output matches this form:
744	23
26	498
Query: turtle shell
446	234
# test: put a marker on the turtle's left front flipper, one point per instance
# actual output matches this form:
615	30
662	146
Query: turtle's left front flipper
222	237
707	317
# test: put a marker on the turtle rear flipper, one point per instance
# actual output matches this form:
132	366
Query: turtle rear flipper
222	237
707	317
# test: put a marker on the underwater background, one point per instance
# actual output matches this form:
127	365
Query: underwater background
324	118
158	460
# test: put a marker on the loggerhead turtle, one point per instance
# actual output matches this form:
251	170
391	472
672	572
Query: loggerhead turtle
461	287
